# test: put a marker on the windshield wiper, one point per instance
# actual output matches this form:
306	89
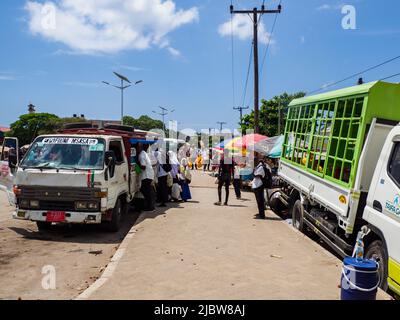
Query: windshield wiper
71	168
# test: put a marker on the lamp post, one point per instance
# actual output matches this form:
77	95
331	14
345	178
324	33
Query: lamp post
122	88
163	113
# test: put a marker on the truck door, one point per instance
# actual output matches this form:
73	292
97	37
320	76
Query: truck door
9	160
119	182
384	204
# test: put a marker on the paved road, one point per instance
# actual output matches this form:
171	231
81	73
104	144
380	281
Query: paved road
199	251
79	255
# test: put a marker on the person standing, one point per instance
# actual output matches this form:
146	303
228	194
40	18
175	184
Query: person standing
206	160
236	181
163	167
175	170
210	156
258	188
186	179
225	173
146	176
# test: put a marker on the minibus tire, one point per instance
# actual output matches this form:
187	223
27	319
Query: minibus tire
376	250
114	224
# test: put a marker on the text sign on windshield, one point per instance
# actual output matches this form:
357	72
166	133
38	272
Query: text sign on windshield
65	140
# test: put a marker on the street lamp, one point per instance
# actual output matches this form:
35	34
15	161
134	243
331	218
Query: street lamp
122	88
163	113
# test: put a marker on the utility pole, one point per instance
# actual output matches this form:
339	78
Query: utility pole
220	125
279	119
255	12
163	113
240	109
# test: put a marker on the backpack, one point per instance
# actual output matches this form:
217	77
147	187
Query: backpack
267	179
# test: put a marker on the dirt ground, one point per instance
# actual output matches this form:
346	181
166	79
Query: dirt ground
79	255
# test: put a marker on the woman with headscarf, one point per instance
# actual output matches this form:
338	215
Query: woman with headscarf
186	178
173	160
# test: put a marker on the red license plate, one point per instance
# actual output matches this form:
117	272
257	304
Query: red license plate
55	216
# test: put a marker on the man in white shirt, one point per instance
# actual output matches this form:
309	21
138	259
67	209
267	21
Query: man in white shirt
236	181
146	176
258	188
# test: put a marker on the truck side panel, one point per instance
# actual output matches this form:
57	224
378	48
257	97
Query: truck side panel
330	195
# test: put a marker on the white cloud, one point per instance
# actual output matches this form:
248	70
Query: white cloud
326	7
7	76
108	26
242	28
174	52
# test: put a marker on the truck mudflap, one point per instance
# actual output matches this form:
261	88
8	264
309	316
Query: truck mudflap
66	217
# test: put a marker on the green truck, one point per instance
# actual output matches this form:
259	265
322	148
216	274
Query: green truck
340	171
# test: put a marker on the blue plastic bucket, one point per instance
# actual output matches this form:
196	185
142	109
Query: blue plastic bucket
360	279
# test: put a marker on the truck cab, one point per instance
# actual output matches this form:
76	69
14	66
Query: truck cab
80	175
382	210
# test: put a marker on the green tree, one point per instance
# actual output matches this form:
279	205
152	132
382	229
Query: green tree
143	123
29	126
269	114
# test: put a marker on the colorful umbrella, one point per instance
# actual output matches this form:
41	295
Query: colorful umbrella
270	147
245	142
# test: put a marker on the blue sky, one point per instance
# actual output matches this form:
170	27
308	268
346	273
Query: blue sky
182	56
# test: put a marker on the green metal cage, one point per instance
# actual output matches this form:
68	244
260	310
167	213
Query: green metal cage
325	133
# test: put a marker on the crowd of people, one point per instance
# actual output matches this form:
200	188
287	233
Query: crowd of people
229	172
166	176
163	178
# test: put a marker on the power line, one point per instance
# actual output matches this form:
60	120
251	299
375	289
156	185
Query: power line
247	76
392	76
354	75
269	40
233	61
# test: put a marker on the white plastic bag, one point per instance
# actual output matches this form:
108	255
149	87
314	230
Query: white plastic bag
176	191
170	180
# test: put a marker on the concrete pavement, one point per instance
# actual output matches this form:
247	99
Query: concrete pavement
199	251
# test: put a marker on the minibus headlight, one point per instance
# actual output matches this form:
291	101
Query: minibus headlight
24	203
93	205
79	205
34	203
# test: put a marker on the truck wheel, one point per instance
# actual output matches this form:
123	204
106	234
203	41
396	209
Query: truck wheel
43	225
297	216
114	224
276	204
377	251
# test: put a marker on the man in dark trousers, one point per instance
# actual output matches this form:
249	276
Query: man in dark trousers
258	187
225	174
163	168
146	176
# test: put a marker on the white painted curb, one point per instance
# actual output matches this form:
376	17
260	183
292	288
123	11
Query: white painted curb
109	270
